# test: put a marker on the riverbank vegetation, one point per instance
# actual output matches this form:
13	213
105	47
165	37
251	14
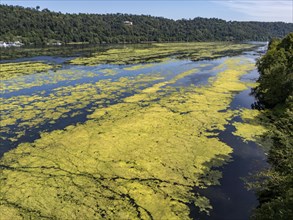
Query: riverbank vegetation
64	51
32	26
160	50
275	91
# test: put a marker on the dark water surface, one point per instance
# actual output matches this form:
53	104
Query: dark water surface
231	200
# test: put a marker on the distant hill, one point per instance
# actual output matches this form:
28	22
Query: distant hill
30	25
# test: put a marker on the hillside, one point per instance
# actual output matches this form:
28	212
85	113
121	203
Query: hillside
38	27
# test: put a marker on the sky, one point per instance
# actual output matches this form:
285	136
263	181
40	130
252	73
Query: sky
239	10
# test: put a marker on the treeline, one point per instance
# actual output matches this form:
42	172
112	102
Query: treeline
31	25
276	92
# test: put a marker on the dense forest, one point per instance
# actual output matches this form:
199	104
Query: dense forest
32	25
276	92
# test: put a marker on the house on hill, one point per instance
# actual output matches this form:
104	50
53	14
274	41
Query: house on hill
129	23
11	44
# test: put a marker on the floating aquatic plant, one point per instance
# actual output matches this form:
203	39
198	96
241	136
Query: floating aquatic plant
161	52
253	127
136	159
13	70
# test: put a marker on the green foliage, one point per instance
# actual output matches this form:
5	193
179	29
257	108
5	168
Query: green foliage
275	89
279	208
39	27
276	75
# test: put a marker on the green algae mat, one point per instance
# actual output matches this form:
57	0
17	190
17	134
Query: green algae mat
145	144
159	52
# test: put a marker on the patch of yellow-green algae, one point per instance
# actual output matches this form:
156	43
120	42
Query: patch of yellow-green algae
159	52
138	67
253	127
30	111
43	78
13	70
148	93
109	72
138	159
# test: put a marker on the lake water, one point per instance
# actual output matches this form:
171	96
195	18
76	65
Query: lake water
72	90
44	84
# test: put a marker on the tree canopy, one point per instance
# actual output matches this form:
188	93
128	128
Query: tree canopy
275	90
32	25
276	72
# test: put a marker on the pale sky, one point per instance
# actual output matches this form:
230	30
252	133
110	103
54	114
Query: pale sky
240	10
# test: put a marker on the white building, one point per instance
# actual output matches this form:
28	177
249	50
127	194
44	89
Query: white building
3	44
130	23
11	44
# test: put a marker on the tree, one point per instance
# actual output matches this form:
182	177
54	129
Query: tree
276	72
276	91
19	21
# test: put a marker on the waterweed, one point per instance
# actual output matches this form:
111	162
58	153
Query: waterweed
137	159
